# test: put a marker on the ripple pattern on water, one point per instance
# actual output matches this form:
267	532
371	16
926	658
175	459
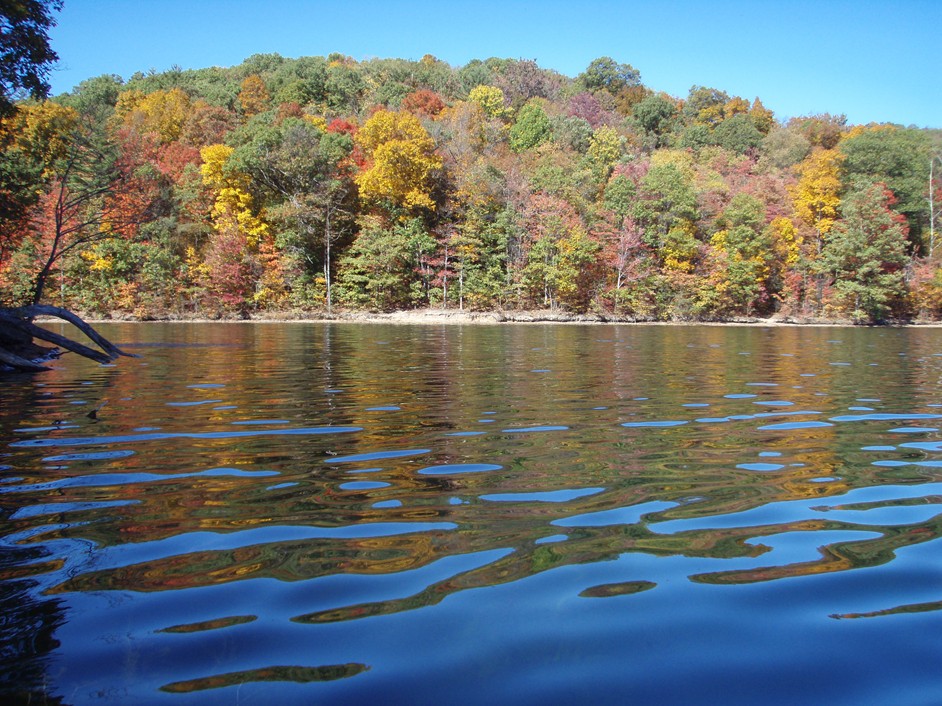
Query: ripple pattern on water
458	468
138	438
662	423
790	426
548	496
618	516
432	513
378	456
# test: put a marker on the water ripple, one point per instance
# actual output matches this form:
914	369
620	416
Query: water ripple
192	404
377	455
789	426
122	479
161	436
451	468
635	471
548	496
126	555
618	516
92	456
294	673
882	417
667	423
61	508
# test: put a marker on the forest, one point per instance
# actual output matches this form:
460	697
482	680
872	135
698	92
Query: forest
311	186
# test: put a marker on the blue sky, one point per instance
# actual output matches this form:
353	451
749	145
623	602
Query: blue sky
872	61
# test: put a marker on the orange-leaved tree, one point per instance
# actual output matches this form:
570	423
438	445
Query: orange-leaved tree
89	192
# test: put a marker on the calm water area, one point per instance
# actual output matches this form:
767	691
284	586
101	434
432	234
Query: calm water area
315	513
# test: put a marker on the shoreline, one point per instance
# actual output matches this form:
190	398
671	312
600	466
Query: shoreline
450	317
458	317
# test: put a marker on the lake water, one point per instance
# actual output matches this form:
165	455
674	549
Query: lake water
524	514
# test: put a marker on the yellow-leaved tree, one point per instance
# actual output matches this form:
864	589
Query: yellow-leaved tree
817	199
403	158
233	203
162	113
816	196
491	100
605	148
39	132
239	257
786	241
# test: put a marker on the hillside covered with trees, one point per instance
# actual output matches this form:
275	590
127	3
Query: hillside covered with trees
306	185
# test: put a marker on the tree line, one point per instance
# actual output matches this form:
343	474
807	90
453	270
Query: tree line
303	185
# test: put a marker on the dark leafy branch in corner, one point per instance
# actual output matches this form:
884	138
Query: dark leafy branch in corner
25	60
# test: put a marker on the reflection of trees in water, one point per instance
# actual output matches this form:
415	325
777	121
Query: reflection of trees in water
693	465
839	556
28	622
299	675
898	610
447	381
517	557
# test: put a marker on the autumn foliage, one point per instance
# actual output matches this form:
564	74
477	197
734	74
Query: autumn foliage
301	184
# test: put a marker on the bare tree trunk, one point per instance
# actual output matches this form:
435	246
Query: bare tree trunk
18	323
43	275
445	280
932	202
327	259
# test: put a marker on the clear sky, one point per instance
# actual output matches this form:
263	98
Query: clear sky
872	61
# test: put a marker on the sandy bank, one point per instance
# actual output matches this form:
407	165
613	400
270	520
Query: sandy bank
454	316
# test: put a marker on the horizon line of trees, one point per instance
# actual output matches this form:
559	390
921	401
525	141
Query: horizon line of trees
305	184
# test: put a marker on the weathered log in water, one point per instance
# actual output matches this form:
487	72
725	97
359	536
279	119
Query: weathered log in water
18	335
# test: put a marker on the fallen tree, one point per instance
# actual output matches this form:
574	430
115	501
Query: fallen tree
18	334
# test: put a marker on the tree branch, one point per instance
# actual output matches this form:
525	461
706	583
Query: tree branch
48	310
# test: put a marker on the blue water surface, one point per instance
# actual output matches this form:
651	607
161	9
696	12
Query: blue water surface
340	513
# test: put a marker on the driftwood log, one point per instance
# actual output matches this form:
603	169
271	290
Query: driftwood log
18	334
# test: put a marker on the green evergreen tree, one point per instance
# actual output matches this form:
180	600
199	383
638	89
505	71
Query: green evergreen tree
865	254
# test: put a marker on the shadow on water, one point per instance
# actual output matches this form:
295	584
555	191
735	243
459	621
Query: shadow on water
28	621
27	635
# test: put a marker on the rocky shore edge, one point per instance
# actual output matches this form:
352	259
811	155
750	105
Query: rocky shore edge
457	316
